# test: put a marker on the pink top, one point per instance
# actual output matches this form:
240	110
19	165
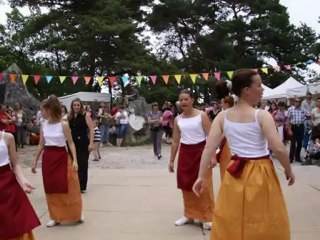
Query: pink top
167	118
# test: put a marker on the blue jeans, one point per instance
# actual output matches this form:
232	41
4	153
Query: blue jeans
121	130
104	130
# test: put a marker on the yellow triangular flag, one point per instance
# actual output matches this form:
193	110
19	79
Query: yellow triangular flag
265	70
230	74
193	77
25	78
139	79
62	78
100	80
178	78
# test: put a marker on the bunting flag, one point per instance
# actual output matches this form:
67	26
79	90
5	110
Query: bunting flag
276	68
265	70
166	78
87	79
217	75
13	77
139	79
178	78
49	78
74	79
25	78
62	78
230	74
125	80
205	76
288	67
100	80
193	77
112	80
36	79
153	79
1	77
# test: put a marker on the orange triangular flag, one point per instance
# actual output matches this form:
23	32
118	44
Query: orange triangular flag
13	77
87	79
165	78
205	76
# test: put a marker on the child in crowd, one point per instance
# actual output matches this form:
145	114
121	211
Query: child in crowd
96	140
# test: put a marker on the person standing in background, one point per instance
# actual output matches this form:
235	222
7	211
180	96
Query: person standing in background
82	135
122	120
308	104
105	122
167	123
21	125
96	140
155	121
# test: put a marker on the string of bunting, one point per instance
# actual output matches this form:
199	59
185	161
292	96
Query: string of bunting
153	78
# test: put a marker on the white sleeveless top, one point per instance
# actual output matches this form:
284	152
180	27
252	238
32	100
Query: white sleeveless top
53	134
4	153
245	139
191	130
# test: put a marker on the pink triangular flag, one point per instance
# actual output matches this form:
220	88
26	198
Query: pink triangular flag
288	67
1	77
74	79
36	79
205	76
112	80
87	79
165	78
217	75
153	78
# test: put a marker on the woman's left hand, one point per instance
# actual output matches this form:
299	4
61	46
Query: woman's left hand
27	187
90	147
75	166
198	187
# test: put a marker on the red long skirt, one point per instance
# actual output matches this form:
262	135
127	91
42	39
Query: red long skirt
17	216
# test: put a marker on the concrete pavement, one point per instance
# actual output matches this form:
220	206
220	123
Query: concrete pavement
131	195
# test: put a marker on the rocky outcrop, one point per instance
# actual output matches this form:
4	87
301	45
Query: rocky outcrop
18	92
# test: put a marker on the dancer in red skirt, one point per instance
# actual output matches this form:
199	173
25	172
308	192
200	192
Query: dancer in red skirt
59	171
189	133
17	217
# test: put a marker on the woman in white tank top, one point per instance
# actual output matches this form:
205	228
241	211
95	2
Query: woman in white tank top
250	203
18	218
189	135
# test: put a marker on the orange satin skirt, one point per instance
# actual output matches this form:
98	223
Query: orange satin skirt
224	159
200	208
251	207
66	207
26	236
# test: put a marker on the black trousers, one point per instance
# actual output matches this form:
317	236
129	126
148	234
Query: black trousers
296	142
83	164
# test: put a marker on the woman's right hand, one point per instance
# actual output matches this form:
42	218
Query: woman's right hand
75	165
290	177
34	168
171	167
198	187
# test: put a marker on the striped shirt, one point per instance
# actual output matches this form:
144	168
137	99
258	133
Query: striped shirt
297	115
97	135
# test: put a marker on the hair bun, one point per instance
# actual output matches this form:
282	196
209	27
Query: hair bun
222	89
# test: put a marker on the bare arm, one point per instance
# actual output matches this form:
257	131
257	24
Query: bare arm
68	136
90	126
175	141
213	141
206	124
38	151
269	131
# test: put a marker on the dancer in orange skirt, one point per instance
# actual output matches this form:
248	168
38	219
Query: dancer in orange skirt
59	171
227	101
18	218
189	132
250	204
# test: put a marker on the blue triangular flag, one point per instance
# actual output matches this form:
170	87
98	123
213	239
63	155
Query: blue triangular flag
49	78
125	80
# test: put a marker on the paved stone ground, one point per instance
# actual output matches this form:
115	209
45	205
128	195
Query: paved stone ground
131	195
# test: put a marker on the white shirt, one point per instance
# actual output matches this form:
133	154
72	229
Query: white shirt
53	134
191	129
123	116
4	153
245	139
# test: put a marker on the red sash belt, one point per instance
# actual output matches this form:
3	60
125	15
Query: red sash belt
55	169
236	168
